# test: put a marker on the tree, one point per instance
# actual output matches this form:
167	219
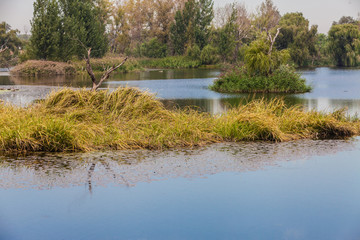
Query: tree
96	84
344	44
59	25
296	36
82	23
260	59
346	20
9	44
192	25
267	17
9	39
45	30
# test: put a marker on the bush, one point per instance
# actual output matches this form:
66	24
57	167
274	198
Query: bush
282	80
209	55
171	62
193	52
153	49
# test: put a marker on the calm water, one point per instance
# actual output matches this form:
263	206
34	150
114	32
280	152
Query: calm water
295	190
298	190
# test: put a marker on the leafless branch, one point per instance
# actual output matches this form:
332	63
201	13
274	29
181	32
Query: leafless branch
105	76
272	39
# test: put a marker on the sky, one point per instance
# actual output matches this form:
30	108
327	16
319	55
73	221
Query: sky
18	13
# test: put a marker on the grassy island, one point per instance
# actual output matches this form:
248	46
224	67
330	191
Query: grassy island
239	80
83	120
265	70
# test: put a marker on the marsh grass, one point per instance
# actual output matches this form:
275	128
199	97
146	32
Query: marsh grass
82	120
43	68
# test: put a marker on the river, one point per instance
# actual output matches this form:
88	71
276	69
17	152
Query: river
296	190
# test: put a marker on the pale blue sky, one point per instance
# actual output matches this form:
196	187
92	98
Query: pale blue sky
321	12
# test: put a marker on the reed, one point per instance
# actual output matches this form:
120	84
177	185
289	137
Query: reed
82	120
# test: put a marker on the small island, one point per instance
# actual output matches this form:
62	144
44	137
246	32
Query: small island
265	70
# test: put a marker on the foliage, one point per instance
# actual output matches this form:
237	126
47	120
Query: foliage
192	25
344	44
209	55
283	80
62	29
153	49
193	52
69	120
259	61
9	41
171	62
296	36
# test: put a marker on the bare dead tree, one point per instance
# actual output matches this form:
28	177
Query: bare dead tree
105	76
272	39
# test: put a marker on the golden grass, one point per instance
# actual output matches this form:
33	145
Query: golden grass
70	120
45	68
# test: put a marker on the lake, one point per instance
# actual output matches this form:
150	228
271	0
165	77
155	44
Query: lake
296	190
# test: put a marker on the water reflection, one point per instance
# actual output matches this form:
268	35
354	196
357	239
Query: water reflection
128	168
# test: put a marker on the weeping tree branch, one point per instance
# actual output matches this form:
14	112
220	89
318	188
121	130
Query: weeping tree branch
105	76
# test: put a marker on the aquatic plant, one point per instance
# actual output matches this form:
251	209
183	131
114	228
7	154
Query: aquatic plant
127	118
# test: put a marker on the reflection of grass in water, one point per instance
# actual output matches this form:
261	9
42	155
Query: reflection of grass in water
127	118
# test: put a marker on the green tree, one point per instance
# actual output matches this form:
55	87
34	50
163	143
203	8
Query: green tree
62	29
83	29
344	44
9	44
192	25
177	33
153	49
296	36
260	61
9	38
45	30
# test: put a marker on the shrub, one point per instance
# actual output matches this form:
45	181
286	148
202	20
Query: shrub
209	55
153	49
282	80
193	52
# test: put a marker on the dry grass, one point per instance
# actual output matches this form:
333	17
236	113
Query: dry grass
46	68
127	118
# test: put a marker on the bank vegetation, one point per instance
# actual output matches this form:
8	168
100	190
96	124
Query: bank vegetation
83	120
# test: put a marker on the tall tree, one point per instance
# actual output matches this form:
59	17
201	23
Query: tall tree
296	36
62	29
267	17
344	44
196	17
45	30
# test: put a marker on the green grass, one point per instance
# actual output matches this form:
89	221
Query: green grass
282	80
69	120
170	62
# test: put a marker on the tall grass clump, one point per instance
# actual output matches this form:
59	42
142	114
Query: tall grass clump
239	80
83	120
43	68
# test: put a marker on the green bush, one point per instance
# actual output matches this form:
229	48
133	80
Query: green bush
282	80
170	62
209	55
193	52
153	49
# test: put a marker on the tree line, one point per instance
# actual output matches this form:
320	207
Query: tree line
64	29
